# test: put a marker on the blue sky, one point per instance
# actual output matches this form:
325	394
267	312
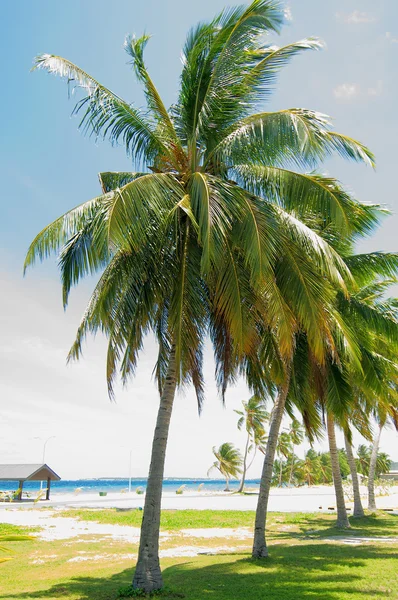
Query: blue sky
48	166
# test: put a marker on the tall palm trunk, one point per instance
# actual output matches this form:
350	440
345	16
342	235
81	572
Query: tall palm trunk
244	469
291	468
342	519
259	543
147	573
280	471
372	470
358	509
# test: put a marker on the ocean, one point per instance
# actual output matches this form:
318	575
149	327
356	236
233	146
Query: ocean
116	485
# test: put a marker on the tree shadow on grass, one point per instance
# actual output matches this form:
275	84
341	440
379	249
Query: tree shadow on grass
368	526
317	571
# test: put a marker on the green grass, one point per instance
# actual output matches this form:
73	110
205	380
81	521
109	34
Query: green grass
302	564
171	520
380	525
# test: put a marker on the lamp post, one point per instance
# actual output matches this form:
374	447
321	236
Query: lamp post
131	451
44	452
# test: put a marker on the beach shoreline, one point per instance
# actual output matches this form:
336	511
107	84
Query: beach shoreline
303	499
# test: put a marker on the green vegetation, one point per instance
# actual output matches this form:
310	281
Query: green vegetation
170	520
228	462
304	562
174	520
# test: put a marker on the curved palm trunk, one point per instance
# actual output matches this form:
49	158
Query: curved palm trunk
259	543
147	573
342	519
227	484
242	481
358	509
372	470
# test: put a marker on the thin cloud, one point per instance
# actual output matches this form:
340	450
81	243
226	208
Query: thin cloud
376	90
349	91
346	91
355	18
288	14
391	38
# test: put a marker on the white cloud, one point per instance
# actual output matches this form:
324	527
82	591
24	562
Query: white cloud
377	90
288	14
346	91
355	18
391	38
349	91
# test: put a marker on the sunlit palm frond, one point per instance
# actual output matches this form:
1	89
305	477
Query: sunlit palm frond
294	136
106	114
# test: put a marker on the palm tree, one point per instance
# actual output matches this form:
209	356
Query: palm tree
204	236
324	467
358	508
283	449
296	434
311	467
229	462
253	418
363	460
342	518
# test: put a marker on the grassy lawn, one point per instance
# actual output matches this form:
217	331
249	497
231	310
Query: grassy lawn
302	563
382	525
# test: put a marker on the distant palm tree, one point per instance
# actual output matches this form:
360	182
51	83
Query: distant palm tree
311	467
253	418
296	434
283	449
383	461
229	462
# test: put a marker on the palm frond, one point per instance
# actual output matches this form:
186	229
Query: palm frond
106	114
293	136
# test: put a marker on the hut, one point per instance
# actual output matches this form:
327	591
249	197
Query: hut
27	472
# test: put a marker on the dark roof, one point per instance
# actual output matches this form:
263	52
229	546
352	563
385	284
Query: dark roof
38	472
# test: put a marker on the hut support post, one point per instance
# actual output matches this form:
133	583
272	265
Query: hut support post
19	497
48	488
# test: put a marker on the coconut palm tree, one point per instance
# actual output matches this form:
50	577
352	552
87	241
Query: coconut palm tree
228	463
205	235
283	450
296	434
358	508
253	418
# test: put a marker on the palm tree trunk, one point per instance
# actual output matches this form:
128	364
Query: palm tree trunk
358	509
226	485
280	471
242	481
148	576
372	470
291	468
259	543
342	519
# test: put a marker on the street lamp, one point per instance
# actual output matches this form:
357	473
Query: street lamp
44	451
131	451
130	458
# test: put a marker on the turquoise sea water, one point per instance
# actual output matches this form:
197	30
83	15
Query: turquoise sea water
117	485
